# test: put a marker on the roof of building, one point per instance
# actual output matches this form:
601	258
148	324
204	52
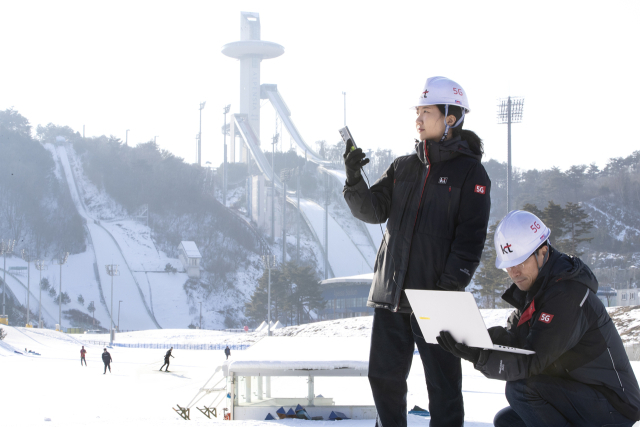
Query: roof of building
190	249
302	356
360	278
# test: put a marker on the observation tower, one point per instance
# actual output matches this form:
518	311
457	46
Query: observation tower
250	50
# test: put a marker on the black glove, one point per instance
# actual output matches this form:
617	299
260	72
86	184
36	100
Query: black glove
353	161
447	342
500	336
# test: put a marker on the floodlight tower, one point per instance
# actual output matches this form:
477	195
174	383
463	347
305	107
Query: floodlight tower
250	50
510	111
62	259
5	248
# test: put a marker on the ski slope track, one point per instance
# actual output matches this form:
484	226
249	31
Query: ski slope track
107	251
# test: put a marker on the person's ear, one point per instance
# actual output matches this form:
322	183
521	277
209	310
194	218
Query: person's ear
451	120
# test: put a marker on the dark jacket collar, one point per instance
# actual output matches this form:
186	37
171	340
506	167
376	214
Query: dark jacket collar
559	266
447	150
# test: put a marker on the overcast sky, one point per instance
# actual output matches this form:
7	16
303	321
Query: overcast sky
146	66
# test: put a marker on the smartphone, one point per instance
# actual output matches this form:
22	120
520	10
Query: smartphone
346	136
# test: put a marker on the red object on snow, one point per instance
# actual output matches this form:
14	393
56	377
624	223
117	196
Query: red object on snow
246	329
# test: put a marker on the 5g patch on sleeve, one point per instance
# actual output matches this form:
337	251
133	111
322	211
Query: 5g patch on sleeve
480	189
546	318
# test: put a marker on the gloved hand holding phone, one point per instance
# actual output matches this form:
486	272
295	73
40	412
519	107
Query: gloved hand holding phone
354	159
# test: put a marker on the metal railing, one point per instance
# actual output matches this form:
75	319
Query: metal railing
234	347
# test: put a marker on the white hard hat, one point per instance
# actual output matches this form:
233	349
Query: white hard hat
441	90
518	235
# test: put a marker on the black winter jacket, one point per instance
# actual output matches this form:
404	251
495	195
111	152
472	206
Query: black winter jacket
564	322
106	357
436	205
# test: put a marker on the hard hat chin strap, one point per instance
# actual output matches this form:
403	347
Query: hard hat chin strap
446	125
544	260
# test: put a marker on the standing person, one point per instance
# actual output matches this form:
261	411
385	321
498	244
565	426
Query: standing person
436	203
166	360
83	352
580	374
106	358
227	351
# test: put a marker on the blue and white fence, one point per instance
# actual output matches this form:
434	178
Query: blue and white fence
184	346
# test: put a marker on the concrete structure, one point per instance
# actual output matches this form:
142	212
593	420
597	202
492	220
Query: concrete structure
251	51
261	195
190	257
346	297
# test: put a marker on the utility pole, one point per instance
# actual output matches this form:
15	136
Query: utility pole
112	270
40	265
200	314
118	327
344	94
273	187
225	130
298	217
126	138
285	175
269	262
63	258
93	313
28	258
5	248
200	135
326	226
510	111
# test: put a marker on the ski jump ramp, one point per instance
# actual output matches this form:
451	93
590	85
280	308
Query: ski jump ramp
345	257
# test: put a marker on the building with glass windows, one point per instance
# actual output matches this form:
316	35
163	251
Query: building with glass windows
346	297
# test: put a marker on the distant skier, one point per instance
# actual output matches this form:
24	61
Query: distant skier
227	351
83	352
166	360
106	358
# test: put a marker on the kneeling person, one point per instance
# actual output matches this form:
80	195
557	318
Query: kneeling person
580	373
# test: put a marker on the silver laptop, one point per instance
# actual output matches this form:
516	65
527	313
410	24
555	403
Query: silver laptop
455	312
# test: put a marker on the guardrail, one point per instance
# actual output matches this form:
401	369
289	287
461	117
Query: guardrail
235	347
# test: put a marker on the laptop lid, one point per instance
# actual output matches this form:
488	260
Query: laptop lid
455	312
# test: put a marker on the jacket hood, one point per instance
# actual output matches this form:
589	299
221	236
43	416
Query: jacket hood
446	150
559	267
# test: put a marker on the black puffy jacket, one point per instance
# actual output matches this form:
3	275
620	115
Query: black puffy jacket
564	322
436	203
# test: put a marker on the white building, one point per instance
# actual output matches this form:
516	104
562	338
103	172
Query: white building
190	257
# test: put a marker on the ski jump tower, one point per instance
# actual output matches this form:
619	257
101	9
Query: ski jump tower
250	50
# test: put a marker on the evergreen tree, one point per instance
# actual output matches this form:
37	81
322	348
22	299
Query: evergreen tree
306	295
529	207
91	307
553	218
44	284
490	281
80	299
577	225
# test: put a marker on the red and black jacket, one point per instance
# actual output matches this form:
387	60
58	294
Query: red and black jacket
436	203
564	322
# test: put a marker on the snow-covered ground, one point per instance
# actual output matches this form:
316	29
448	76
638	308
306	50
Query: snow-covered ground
53	385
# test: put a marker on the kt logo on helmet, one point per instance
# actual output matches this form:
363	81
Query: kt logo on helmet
506	249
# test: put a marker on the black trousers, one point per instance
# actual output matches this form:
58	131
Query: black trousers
392	344
107	365
552	401
166	362
82	359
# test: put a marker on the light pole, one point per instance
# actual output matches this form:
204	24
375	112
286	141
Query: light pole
510	111
200	314
126	138
63	258
118	328
154	138
269	262
93	312
5	248
225	130
112	270
273	187
26	257
40	265
285	176
200	135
